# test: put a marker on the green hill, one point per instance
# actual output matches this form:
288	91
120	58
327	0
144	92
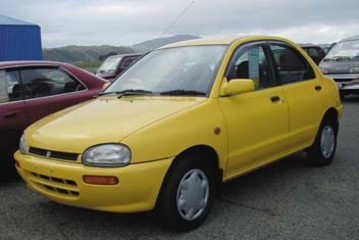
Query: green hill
90	57
74	54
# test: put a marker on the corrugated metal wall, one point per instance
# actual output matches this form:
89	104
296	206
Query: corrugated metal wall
20	42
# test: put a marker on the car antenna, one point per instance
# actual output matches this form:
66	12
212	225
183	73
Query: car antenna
178	17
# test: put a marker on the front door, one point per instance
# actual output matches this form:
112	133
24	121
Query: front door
47	90
257	122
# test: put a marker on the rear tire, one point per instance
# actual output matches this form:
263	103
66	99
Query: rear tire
187	194
321	153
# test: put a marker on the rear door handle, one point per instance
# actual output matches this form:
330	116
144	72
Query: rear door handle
275	99
318	88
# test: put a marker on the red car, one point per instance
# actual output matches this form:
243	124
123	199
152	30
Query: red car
30	90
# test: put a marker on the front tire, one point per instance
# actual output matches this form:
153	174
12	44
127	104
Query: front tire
187	194
321	153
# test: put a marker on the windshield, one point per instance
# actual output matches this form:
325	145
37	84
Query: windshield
110	65
173	71
344	51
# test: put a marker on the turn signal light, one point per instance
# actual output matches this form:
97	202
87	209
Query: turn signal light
17	164
100	180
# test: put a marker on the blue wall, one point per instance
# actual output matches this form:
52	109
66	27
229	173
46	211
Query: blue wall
20	42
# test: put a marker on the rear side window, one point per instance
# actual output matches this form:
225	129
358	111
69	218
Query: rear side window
10	88
290	65
42	82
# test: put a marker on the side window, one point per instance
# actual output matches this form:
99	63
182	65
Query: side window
313	52
127	61
42	82
290	65
10	88
251	62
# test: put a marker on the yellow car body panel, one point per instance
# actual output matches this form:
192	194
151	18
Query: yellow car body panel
137	190
269	120
157	129
127	116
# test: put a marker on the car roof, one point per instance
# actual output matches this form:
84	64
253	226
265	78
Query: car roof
224	41
31	63
350	38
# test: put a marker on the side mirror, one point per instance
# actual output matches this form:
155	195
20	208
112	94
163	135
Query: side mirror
236	87
105	85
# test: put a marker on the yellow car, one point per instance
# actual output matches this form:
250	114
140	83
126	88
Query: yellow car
179	122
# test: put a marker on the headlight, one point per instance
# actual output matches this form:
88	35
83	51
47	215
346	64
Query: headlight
354	70
107	155
324	70
22	145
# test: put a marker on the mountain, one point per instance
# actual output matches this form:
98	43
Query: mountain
73	54
158	42
80	54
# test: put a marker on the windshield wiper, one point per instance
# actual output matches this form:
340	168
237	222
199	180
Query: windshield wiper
127	92
182	92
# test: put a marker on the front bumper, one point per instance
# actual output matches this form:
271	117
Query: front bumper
346	82
137	190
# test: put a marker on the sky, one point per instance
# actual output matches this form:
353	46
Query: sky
127	22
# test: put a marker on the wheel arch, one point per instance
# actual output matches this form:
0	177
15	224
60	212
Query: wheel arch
204	152
332	115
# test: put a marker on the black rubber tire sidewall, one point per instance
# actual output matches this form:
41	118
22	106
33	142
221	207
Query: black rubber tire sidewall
167	202
316	157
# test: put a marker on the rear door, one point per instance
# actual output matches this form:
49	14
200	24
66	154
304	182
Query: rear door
12	113
49	89
302	90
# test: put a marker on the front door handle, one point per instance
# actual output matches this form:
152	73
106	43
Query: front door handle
318	88
275	99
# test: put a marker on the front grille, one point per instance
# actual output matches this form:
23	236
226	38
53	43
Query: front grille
56	185
344	79
348	80
53	154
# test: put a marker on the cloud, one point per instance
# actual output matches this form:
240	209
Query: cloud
121	22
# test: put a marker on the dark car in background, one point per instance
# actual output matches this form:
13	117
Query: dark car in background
314	51
115	64
342	64
30	90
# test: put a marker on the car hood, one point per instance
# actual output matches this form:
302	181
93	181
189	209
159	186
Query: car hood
103	120
339	67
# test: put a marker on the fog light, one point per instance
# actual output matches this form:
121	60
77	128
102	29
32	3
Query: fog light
100	180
